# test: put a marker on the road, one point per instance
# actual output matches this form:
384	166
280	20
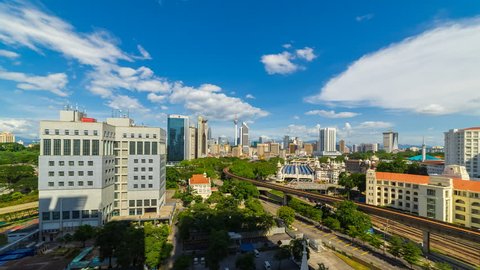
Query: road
339	243
18	208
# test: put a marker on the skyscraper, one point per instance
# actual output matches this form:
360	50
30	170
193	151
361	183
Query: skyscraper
327	141
202	137
192	143
286	142
461	148
244	138
178	139
235	138
390	141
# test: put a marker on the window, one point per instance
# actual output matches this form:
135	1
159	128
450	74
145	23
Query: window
154	146
76	147
139	202
143	177
67	132
135	185
139	211
71	163
124	135
85	132
67	147
143	160
132	135
143	185
57	132
147	136
90	173
90	163
85	213
45	215
80	173
150	177
57	144
150	185
131	203
95	133
146	202
66	215
143	169
94	214
131	212
50	184
61	184
47	147
139	148
460	217
75	132
61	163
139	135
430	192
154	136
135	161
46	131
71	173
75	214
51	163
55	215
150	169
407	205
154	202
147	148
132	148
89	183
80	183
135	177
61	173
135	169
70	183
86	148
95	147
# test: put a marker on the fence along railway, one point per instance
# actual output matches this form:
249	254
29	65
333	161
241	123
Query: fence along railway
427	225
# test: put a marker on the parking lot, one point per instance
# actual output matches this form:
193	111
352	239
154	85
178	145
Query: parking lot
229	262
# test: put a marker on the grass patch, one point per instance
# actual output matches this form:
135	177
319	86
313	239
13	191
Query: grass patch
276	192
32	197
355	265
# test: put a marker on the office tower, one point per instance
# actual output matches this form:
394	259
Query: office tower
178	140
390	141
235	138
90	171
202	137
192	143
327	140
209	133
7	137
355	148
274	149
308	147
461	148
244	138
286	142
368	147
341	146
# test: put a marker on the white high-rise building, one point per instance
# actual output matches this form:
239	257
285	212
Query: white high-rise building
390	141
7	137
244	138
462	148
90	171
327	142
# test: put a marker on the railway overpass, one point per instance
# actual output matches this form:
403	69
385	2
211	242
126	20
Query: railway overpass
427	225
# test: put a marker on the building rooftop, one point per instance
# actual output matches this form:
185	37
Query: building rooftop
458	184
198	179
471	128
419	158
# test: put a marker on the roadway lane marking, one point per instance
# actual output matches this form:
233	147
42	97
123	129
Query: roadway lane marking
339	240
348	245
355	248
326	234
363	253
332	237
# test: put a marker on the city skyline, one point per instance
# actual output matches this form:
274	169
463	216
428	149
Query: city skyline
303	74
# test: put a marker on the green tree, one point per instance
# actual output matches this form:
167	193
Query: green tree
172	177
109	239
443	266
332	223
218	243
375	240
10	174
287	214
216	197
296	248
411	252
245	262
345	180
83	233
348	215
282	254
182	263
395	246
156	247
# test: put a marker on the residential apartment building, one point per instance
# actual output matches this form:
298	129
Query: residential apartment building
444	198
327	142
390	141
7	137
462	148
90	171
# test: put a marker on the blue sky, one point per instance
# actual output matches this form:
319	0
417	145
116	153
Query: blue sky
285	67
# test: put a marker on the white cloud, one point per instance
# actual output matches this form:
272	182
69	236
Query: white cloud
122	102
436	72
9	54
306	54
54	83
296	117
279	63
213	105
156	98
210	88
287	46
302	131
365	17
375	125
20	127
143	52
332	114
250	96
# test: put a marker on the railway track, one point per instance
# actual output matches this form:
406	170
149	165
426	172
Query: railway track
468	252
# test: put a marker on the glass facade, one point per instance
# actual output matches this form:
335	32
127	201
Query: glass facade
176	139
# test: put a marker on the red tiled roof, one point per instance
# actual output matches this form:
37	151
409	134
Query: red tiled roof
458	184
471	128
198	179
